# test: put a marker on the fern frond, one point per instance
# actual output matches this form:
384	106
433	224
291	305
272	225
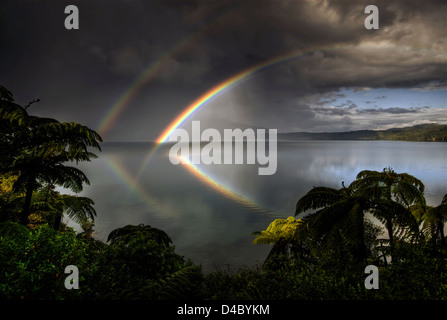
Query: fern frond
181	285
128	232
78	208
316	198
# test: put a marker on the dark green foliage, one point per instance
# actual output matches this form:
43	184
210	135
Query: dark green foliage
144	257
9	228
33	265
184	284
143	267
50	206
281	233
423	132
413	276
222	284
339	219
38	150
33	262
432	221
336	242
129	232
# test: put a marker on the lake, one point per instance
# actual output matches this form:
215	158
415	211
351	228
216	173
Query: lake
210	211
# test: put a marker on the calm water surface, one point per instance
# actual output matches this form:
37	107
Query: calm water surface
211	211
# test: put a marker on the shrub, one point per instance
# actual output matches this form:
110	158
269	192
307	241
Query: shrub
33	265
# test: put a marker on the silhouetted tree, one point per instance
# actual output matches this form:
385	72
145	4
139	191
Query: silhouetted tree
394	194
339	219
433	221
127	233
37	149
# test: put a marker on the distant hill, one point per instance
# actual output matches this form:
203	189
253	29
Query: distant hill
423	132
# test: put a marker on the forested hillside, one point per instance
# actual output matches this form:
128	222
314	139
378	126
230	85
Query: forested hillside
424	132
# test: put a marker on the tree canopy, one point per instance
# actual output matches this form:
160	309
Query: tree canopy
35	153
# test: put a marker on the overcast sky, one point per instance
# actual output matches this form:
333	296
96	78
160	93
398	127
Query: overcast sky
350	78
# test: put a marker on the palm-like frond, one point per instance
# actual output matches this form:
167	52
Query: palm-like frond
38	148
400	215
182	284
264	237
5	94
432	220
280	230
68	177
126	234
67	133
317	197
401	187
342	220
393	194
367	178
444	200
339	219
78	208
408	193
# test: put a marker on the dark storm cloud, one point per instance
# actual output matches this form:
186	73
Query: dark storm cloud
332	111
194	45
239	34
395	110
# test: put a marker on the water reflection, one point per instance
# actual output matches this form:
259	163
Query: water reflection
210	210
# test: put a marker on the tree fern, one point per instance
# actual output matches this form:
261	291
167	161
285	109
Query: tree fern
318	197
127	233
78	208
432	221
181	285
279	229
402	188
393	194
39	148
281	233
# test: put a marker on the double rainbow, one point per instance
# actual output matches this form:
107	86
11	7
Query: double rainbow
201	101
215	91
223	86
220	88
